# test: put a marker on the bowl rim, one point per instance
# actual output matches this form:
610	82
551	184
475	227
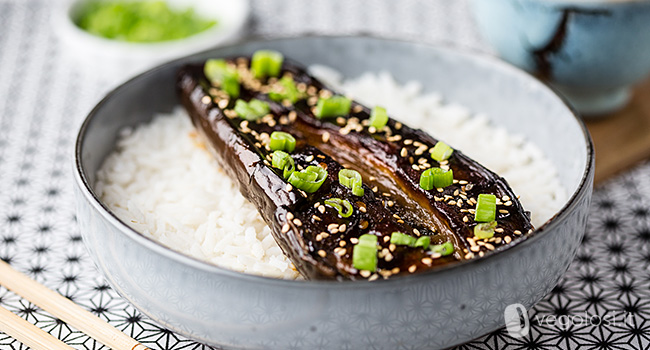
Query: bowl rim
83	182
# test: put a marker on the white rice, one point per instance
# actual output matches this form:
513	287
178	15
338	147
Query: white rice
162	182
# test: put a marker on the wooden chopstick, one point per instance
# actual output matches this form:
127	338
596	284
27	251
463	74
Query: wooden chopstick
27	333
66	310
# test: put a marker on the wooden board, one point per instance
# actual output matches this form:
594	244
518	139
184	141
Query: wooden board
622	139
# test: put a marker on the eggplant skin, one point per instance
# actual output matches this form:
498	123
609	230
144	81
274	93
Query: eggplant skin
313	235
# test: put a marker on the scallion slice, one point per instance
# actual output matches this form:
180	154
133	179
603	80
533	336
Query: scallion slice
283	160
485	230
399	238
443	249
441	151
436	178
423	242
219	74
308	180
334	106
364	253
266	63
368	239
252	110
486	208
352	180
289	91
378	117
342	205
282	141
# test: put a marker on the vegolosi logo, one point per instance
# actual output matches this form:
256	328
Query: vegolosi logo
517	323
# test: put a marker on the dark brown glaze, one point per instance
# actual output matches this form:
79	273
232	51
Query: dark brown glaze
317	240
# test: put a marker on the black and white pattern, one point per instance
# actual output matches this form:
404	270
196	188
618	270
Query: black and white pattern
43	98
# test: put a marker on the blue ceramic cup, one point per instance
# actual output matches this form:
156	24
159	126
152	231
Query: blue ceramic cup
591	50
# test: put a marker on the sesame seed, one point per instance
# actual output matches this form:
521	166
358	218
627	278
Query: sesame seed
357	108
342	228
316	218
505	198
310	158
427	261
475	248
354	240
403	152
462	182
415	167
436	255
206	100
331	227
456	193
408	141
362	209
503	211
372	129
412	268
507	239
508	203
416	231
373	277
375	189
317	204
223	103
396	216
517	232
471	241
297	222
480	254
321	209
497	240
319	237
489	246
392	247
465	219
365	273
322	253
290	216
498	230
530	231
267	163
398	125
326	136
342	243
469	255
451	202
288	188
285	228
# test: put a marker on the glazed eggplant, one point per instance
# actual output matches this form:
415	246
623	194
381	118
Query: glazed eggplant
321	218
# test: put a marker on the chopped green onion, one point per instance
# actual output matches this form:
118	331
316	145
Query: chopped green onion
441	151
252	110
436	177
308	180
399	238
219	74
266	63
343	206
352	180
334	106
368	240
378	117
423	242
485	230
443	249
282	141
486	208
288	91
283	160
364	254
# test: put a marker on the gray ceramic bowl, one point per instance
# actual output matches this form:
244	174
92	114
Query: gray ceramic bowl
429	310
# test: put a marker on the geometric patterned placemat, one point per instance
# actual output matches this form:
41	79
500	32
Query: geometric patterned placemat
44	97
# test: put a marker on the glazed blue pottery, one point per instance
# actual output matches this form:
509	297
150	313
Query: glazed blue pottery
430	310
591	50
